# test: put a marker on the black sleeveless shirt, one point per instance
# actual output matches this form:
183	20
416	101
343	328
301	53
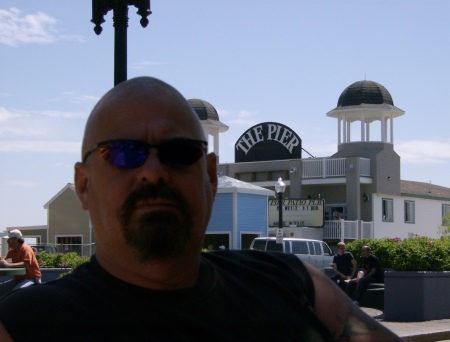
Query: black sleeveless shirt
239	296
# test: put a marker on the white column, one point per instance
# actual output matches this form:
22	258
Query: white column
363	124
216	144
339	130
392	129
383	129
348	130
367	131
344	136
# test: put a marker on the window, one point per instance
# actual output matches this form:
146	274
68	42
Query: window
410	213
259	245
70	243
317	248
445	210
388	209
272	245
299	247
287	247
311	248
326	249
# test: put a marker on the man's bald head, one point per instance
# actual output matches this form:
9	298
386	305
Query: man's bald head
147	90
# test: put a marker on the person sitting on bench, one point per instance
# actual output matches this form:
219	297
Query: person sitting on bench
344	265
371	274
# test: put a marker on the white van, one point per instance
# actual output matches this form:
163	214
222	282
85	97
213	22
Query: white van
314	252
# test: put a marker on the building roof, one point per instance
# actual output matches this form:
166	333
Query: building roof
422	189
368	92
204	109
228	184
68	186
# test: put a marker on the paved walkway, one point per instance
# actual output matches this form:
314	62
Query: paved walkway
428	331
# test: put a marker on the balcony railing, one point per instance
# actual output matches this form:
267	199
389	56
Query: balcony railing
347	230
332	167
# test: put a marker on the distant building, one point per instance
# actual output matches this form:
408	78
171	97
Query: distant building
360	184
239	214
68	225
357	191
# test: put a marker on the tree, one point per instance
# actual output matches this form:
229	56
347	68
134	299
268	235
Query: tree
444	230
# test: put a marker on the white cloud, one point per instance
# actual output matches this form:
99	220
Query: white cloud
18	130
144	64
74	97
21	123
423	151
223	112
40	146
60	114
22	184
244	118
17	28
6	114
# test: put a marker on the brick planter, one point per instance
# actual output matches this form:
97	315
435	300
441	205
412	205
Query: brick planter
48	274
416	296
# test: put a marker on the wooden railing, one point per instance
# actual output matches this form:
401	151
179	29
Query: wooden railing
347	230
332	167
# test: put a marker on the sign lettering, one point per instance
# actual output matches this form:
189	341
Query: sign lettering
268	141
297	212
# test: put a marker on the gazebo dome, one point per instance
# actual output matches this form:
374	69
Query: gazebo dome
367	92
204	109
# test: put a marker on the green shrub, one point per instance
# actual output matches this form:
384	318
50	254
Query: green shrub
414	254
68	260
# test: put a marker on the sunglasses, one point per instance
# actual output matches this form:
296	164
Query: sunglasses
131	154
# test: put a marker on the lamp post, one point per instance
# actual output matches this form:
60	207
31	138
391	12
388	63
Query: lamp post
120	19
279	188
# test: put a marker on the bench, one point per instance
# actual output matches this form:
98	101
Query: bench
373	296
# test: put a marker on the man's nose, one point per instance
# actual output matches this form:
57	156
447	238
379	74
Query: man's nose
153	170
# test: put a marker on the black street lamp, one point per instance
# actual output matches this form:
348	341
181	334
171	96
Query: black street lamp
279	188
120	19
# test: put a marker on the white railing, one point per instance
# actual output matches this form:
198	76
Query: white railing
347	230
331	167
367	230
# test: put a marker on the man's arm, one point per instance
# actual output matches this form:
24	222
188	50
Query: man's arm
22	264
337	271
4	336
343	319
355	268
374	266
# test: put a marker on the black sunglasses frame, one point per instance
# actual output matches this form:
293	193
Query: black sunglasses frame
201	144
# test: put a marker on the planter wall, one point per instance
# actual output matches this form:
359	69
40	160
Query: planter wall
48	274
416	296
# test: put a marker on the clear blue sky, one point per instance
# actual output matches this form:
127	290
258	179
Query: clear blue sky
254	61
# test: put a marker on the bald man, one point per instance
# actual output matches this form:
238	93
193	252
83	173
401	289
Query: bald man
149	185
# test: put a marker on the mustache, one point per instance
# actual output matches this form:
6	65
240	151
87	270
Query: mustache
150	192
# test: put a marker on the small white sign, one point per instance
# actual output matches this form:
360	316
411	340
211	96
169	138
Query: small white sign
279	235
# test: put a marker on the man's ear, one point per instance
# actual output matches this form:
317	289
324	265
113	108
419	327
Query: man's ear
82	184
211	165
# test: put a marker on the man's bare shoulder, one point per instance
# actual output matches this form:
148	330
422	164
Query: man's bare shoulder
4	336
344	320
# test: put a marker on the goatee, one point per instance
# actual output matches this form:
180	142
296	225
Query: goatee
158	235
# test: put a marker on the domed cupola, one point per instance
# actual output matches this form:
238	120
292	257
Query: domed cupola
210	121
365	101
368	92
204	109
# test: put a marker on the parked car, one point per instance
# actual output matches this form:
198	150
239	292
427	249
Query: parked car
314	252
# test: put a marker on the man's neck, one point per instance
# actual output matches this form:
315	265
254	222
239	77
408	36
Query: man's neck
157	275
